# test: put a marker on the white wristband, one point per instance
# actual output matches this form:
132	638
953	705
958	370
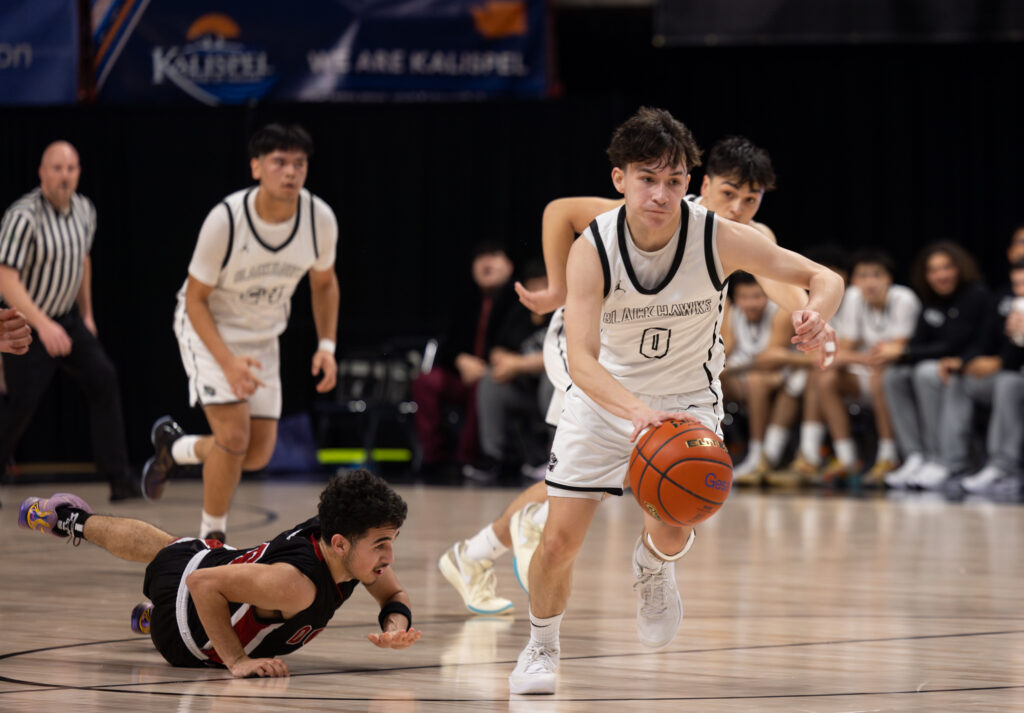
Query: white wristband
326	345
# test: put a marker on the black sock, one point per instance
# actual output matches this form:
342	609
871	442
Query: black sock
71	522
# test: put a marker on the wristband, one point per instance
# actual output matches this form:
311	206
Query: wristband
326	345
394	608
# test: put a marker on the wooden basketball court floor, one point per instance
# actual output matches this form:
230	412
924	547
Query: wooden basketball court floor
794	602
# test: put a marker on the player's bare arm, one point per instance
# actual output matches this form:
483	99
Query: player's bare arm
325	294
51	334
237	369
779	352
274	590
563	220
583	342
397	630
15	334
743	248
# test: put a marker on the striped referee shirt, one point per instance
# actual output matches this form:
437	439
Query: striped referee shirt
48	248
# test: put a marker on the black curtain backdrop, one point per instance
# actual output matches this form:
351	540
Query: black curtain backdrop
889	146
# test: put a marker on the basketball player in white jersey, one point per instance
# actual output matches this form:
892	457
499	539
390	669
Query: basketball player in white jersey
737	175
643	308
253	249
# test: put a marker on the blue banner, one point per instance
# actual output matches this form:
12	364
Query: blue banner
163	51
38	51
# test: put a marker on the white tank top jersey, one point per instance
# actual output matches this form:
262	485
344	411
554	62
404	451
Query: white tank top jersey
869	325
750	338
255	266
661	317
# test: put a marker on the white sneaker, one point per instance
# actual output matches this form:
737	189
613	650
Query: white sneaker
659	608
930	476
980	481
525	539
474	580
536	671
900	477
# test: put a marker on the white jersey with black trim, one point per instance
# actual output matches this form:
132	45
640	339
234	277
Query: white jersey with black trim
662	312
750	338
262	263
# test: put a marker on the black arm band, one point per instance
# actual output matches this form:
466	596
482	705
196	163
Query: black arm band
394	608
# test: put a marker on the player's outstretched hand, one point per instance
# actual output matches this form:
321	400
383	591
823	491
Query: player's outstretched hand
246	667
15	334
239	374
395	639
813	332
540	301
649	418
324	363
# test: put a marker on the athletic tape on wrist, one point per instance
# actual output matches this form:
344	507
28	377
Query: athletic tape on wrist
326	345
394	608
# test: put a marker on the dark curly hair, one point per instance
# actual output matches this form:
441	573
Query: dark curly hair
356	501
653	135
736	157
278	137
966	268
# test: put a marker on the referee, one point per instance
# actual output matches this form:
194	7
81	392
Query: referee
45	237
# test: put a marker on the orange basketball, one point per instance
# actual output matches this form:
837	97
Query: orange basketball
680	472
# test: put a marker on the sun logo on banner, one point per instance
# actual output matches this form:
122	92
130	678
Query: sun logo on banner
500	18
215	66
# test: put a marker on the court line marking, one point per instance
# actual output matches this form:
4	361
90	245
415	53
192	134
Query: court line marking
132	688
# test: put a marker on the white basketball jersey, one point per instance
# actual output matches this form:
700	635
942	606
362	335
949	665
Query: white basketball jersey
869	325
662	311
750	338
252	298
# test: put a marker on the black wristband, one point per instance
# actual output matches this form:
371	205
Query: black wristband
394	608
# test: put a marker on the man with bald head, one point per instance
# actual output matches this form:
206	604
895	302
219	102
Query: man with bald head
45	238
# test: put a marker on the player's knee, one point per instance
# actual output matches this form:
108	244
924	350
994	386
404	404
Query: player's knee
560	548
234	439
257	458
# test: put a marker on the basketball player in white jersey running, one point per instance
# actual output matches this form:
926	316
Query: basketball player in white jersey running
737	175
253	249
645	291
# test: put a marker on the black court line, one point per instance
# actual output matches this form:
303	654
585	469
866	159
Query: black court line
130	688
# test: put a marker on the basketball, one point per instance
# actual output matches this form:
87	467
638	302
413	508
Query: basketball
680	472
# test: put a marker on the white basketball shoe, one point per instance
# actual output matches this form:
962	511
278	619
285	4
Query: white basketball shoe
536	671
659	609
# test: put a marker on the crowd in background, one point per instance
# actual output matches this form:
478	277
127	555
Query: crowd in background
926	389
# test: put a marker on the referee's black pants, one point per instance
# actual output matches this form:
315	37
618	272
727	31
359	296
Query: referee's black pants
28	375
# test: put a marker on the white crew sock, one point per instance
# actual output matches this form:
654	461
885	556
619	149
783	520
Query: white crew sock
540	515
212	523
775	439
812	434
545	631
846	450
751	460
183	450
887	450
484	545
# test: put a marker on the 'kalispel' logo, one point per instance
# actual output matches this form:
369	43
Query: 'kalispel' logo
214	67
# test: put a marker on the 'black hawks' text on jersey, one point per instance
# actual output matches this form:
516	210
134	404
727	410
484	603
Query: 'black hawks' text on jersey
662	311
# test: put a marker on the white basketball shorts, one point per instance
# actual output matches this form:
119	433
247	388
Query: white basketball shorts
591	450
207	384
556	364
